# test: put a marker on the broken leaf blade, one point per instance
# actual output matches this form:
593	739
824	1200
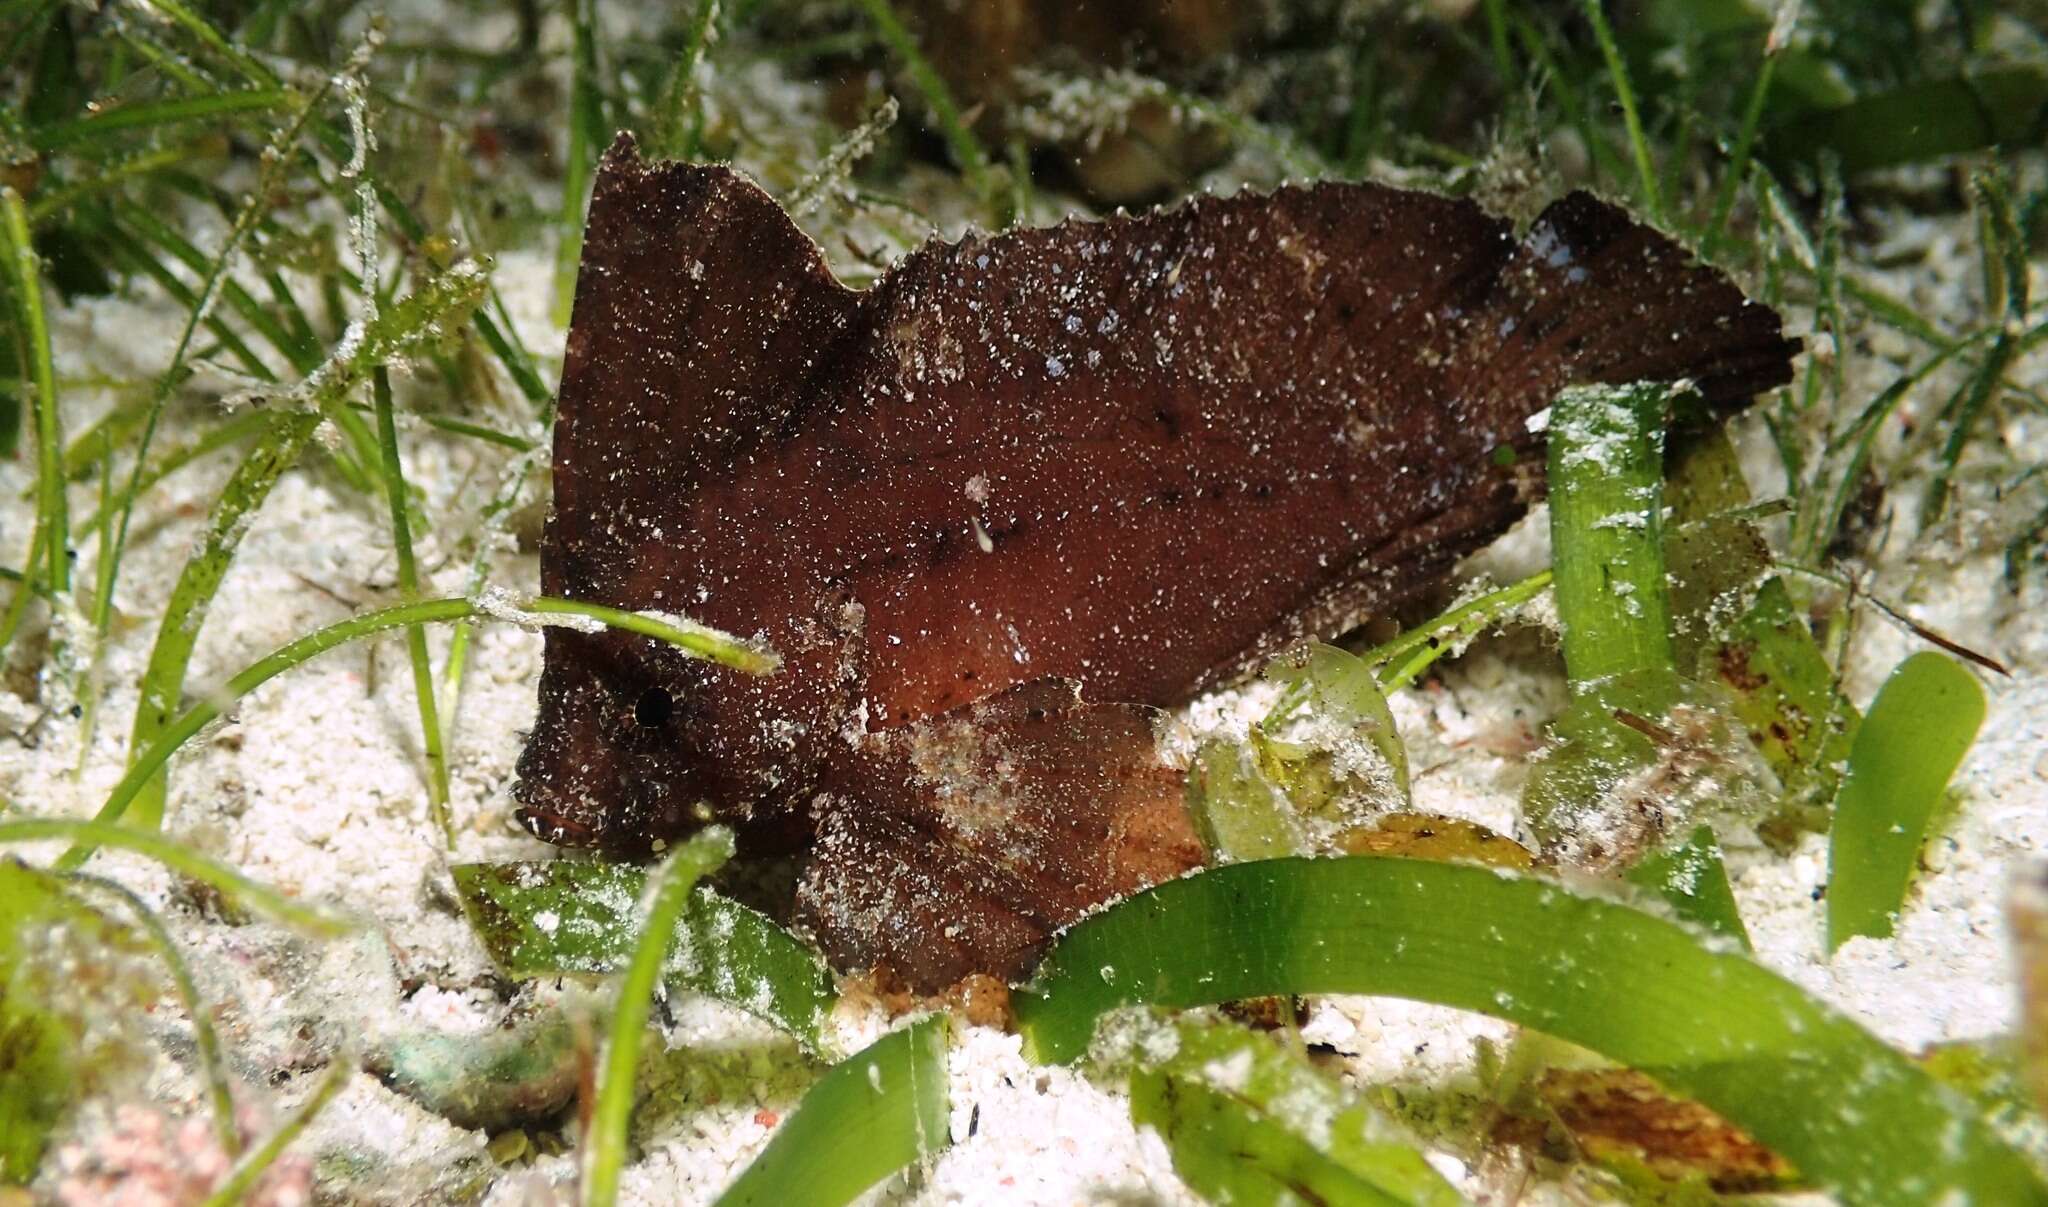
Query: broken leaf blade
1231	1154
2027	917
1910	743
1326	755
40	1047
1922	120
1242	1119
1341	687
1694	883
1237	812
1637	762
1714	565
1851	1113
1782	688
555	917
870	1115
1628	1124
491	1082
1606	482
1427	836
660	919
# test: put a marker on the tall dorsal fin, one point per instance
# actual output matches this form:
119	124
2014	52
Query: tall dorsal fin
701	313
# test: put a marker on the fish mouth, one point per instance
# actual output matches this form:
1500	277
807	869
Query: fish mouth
555	829
550	818
571	819
624	827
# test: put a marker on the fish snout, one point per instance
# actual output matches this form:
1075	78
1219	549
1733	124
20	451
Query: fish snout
554	817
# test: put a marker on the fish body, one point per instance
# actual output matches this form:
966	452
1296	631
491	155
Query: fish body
1029	488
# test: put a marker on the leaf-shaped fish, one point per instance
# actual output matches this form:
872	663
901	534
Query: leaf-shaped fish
1023	489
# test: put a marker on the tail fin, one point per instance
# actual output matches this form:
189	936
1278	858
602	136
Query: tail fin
1591	296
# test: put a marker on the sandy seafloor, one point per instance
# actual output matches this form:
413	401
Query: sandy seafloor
315	786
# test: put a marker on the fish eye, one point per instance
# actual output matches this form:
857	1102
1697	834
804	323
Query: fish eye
653	709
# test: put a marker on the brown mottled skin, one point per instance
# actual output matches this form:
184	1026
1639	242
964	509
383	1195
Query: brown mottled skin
1028	488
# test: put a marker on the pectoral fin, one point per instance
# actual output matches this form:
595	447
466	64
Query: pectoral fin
961	844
